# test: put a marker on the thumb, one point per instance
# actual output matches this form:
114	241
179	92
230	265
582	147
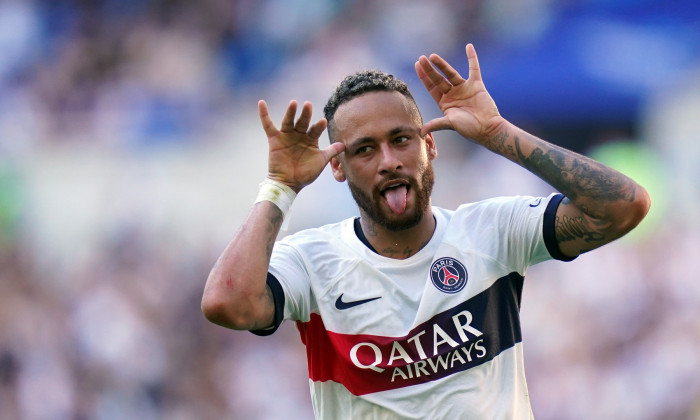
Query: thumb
437	124
333	150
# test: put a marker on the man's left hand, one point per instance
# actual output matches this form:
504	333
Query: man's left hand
467	106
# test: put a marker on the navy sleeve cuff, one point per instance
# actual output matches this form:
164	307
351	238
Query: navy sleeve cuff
550	241
278	298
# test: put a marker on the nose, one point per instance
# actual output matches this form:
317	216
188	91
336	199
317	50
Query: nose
389	161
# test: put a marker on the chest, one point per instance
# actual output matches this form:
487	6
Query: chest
390	299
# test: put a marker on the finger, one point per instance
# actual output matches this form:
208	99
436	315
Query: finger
288	119
422	75
317	129
436	124
265	119
429	85
450	73
474	70
304	119
437	79
333	150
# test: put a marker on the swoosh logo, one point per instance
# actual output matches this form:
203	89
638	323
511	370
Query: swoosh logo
537	203
340	304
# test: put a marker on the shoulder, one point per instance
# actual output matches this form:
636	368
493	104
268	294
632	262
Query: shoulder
317	234
500	205
316	248
502	214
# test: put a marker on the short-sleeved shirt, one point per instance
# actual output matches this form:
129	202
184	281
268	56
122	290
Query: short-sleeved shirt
436	335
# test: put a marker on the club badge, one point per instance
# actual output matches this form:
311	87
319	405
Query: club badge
448	275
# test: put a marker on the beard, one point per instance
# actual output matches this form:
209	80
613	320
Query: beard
372	205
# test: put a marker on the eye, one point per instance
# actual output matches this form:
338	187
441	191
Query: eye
362	149
401	139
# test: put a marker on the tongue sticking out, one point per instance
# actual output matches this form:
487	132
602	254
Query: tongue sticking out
396	198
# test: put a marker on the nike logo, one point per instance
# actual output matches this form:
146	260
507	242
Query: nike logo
537	203
347	305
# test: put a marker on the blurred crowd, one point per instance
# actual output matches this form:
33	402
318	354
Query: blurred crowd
146	71
130	152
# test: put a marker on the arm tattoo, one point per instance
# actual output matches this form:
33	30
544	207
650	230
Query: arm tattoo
571	228
498	143
275	221
576	175
268	295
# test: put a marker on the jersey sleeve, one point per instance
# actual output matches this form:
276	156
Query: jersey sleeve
278	300
530	231
288	281
548	236
516	231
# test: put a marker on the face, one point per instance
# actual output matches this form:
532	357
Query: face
386	163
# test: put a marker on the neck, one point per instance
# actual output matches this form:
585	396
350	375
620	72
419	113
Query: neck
399	244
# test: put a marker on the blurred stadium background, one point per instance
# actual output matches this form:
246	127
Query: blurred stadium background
130	151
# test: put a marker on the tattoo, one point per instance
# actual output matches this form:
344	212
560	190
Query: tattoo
370	226
406	253
389	252
498	143
571	228
269	300
275	219
577	176
268	295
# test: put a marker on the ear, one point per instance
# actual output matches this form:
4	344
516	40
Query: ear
430	146
337	168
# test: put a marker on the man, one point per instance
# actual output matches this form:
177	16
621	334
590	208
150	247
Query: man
410	311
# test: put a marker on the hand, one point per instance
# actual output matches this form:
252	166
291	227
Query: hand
467	106
294	156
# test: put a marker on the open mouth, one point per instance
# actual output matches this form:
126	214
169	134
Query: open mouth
396	195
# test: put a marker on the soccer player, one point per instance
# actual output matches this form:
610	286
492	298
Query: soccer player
410	311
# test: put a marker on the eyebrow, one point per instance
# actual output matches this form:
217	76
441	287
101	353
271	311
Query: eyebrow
394	131
403	128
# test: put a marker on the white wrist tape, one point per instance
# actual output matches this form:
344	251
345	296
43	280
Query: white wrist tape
278	193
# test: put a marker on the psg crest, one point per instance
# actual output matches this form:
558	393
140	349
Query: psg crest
448	275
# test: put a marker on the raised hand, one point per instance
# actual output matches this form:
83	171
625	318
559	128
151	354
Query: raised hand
467	106
294	156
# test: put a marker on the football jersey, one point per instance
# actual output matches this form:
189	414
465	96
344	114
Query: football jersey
433	336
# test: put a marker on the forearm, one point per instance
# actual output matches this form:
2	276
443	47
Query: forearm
236	294
601	205
596	189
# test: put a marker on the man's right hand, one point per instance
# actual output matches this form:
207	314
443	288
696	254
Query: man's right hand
294	156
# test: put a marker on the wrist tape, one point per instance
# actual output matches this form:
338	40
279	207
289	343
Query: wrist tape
278	193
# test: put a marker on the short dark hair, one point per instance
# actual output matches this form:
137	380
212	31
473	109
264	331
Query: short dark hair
363	82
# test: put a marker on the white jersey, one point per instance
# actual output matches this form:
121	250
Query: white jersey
433	336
